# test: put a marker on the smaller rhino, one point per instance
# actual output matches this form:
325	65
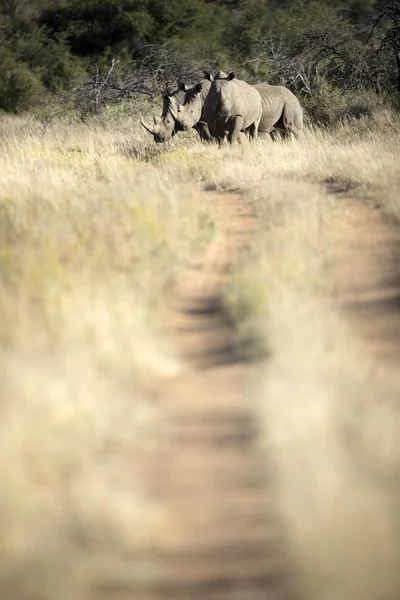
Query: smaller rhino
190	113
165	127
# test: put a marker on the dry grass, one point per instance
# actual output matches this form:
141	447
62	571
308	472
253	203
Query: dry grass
94	223
330	416
89	239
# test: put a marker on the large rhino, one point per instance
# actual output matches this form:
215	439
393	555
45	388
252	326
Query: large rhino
165	127
281	110
231	106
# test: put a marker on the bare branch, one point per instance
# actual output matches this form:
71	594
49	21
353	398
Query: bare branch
154	70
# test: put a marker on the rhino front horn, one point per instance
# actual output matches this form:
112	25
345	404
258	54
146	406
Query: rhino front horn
147	127
173	112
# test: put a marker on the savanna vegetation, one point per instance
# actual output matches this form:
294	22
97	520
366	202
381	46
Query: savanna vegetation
96	221
339	56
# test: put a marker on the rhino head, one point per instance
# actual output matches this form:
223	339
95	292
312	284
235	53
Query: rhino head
157	129
188	113
221	96
165	127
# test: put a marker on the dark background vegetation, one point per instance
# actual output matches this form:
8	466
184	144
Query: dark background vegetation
340	57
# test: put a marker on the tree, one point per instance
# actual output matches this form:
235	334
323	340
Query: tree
385	32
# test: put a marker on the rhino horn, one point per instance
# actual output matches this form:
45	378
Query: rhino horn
151	129
173	108
173	111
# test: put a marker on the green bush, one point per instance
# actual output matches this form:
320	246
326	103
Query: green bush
329	104
327	51
20	88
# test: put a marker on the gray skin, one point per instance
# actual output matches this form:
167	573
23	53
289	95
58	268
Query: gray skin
165	127
195	111
282	115
232	106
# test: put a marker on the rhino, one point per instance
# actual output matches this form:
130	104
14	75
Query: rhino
165	127
231	106
281	110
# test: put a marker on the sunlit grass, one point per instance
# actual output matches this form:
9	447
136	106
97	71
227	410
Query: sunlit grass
330	421
90	239
95	222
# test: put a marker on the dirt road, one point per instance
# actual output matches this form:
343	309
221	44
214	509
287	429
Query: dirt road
223	539
366	278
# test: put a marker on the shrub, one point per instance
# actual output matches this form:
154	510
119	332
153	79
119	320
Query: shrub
329	104
20	88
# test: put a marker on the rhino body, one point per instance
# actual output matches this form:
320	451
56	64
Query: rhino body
232	106
281	111
165	127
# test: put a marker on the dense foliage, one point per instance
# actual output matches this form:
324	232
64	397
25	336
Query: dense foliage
332	52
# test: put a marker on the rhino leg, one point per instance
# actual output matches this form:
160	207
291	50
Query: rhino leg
279	133
291	121
202	129
235	128
253	131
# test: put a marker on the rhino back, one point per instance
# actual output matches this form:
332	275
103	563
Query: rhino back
277	100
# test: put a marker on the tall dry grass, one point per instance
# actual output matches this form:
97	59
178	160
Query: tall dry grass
329	412
95	221
90	236
329	416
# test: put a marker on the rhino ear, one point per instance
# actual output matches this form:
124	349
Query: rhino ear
231	75
208	76
182	87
